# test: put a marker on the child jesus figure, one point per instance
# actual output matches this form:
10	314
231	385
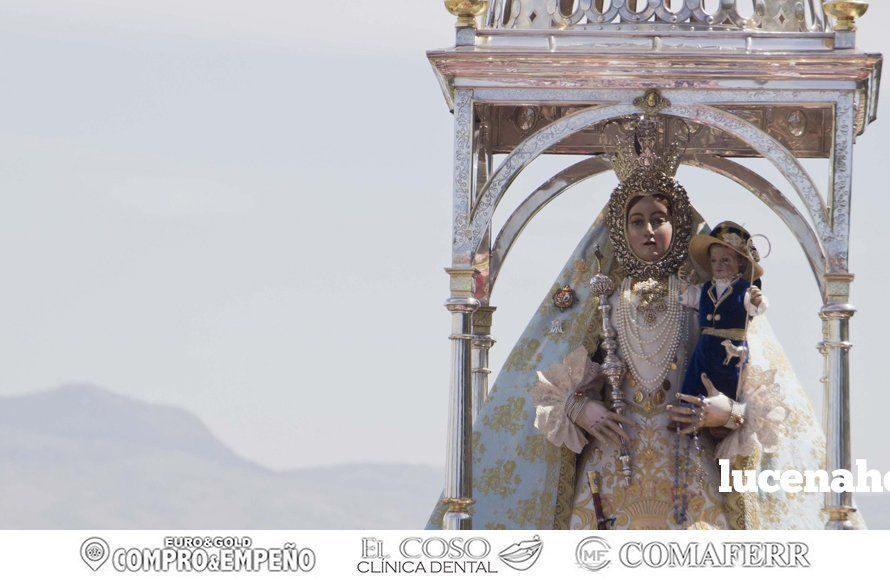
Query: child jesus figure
725	302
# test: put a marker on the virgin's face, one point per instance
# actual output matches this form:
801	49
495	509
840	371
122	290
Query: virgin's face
649	229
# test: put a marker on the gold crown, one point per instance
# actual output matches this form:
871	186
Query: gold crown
641	147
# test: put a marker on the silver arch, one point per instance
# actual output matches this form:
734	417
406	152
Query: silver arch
529	149
532	205
468	241
775	200
583	170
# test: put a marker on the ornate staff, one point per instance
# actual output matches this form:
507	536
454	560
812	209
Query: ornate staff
602	287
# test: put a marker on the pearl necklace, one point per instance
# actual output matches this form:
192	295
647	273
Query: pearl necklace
663	327
669	331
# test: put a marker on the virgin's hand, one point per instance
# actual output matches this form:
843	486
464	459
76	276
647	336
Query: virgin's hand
603	424
714	409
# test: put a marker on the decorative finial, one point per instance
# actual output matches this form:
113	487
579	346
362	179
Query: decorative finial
846	12
598	257
466	11
601	285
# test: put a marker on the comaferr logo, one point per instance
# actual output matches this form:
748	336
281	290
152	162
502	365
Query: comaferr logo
595	553
714	555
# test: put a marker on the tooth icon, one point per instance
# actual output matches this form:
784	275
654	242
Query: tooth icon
522	555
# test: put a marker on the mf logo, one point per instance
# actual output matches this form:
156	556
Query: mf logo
593	553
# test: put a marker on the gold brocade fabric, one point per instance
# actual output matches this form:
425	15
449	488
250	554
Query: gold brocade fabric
648	503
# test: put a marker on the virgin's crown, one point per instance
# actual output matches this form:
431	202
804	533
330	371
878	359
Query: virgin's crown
645	144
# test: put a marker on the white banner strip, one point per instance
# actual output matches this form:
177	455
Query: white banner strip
339	554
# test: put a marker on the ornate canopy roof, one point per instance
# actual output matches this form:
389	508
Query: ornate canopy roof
560	46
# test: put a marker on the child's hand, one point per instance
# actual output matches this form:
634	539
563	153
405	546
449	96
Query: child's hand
756	296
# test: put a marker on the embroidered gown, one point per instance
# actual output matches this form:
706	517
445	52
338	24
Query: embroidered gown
650	500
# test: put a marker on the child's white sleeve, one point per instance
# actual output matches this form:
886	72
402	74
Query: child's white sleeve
753	310
690	296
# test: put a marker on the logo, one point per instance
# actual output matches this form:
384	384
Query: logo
714	555
522	555
427	555
199	554
592	553
94	552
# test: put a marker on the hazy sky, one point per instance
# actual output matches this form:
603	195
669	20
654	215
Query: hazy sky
243	209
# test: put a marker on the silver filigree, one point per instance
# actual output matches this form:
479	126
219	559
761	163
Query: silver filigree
770	15
842	176
463	168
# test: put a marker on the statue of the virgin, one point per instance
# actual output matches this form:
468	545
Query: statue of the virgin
570	440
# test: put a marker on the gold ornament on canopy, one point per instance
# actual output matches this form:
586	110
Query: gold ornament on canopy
466	11
846	13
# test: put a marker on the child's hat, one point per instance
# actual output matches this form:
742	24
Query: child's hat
730	235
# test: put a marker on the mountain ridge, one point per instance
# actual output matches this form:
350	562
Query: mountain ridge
80	456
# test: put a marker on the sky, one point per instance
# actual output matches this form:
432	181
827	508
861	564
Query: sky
243	209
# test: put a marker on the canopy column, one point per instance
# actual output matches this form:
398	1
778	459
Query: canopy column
458	496
458	460
836	313
836	349
482	343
